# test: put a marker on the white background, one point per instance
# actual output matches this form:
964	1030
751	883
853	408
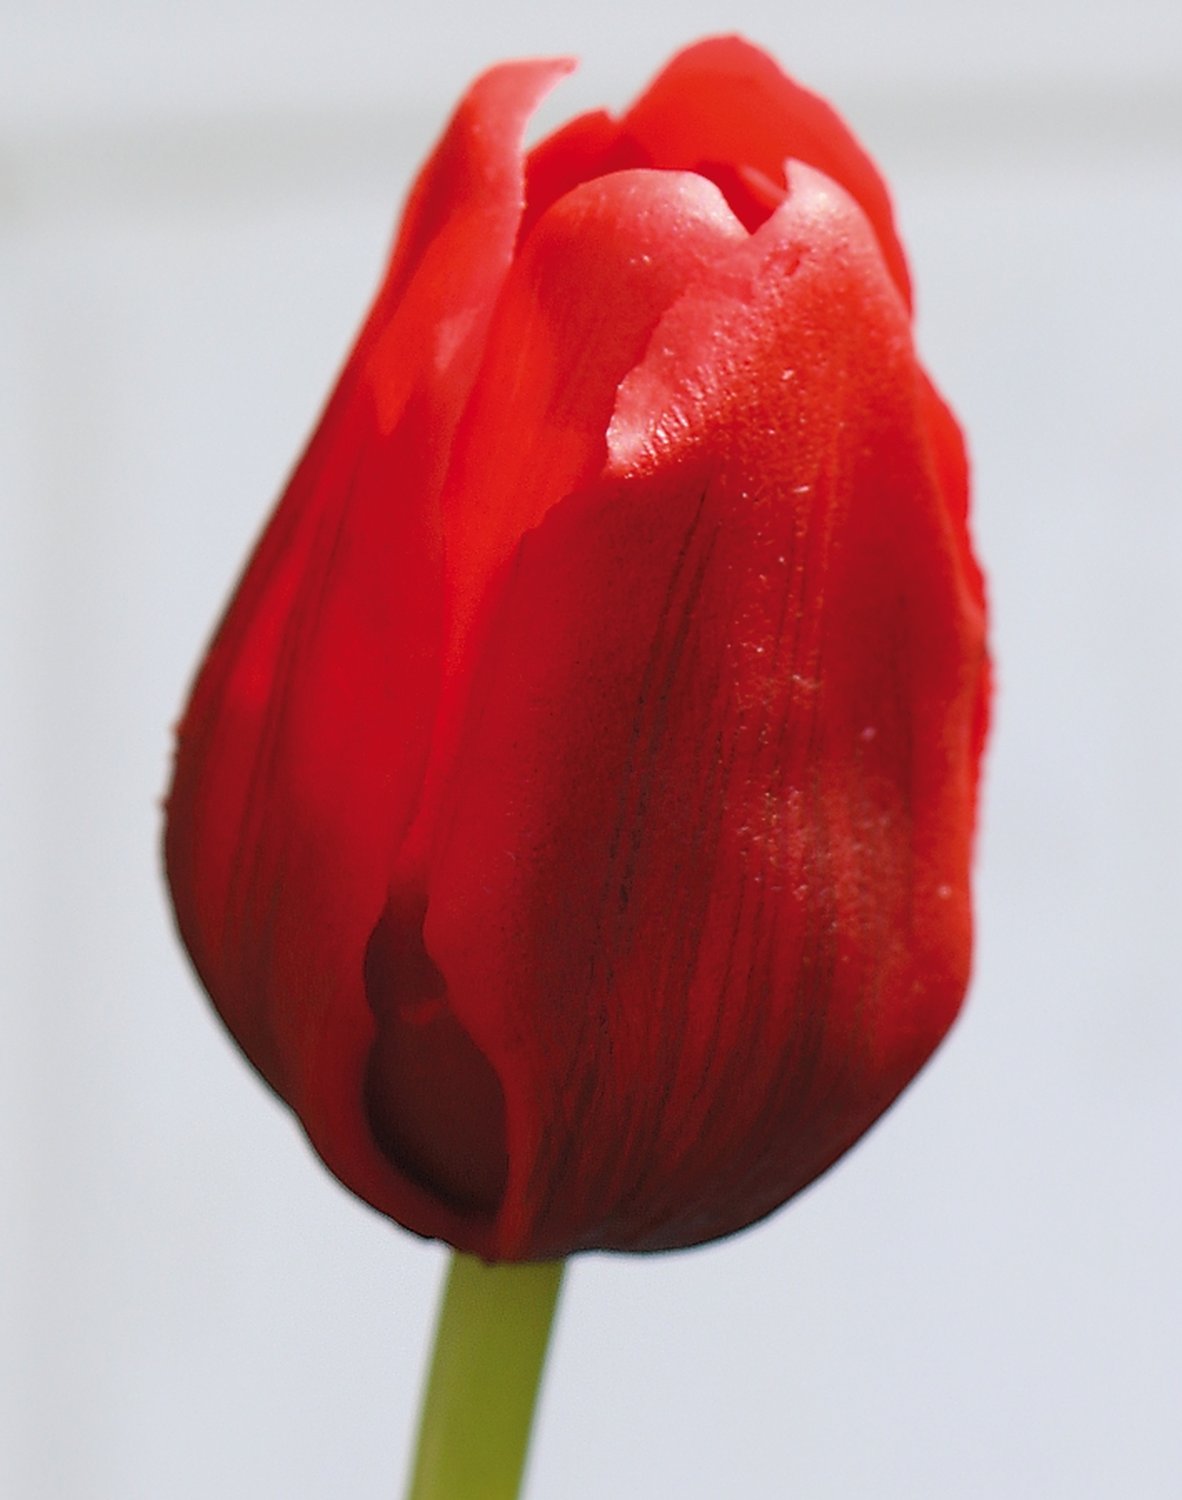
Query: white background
983	1299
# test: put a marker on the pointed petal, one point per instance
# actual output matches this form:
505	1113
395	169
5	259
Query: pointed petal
471	185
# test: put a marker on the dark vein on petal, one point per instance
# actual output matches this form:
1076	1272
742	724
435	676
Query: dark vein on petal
588	1063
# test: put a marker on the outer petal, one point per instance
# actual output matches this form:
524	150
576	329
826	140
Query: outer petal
301	752
724	101
576	314
701	895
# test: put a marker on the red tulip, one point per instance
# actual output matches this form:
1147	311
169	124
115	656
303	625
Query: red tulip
572	817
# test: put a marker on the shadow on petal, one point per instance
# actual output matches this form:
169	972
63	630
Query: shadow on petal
435	1104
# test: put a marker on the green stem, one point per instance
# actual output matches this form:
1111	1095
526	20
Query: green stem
490	1346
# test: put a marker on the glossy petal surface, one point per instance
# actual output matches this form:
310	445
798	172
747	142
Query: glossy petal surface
704	975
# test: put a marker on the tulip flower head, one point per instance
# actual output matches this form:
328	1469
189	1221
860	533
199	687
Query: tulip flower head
572	816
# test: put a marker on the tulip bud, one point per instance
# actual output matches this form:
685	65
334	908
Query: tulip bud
572	816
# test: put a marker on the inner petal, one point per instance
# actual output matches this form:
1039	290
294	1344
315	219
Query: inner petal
435	1104
751	195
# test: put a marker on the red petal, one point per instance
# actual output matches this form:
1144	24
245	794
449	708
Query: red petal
701	892
301	753
576	314
588	146
724	100
471	185
594	278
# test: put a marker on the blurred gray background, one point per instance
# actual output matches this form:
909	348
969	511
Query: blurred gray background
983	1299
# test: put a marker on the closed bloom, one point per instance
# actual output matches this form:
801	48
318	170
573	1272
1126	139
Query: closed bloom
572	817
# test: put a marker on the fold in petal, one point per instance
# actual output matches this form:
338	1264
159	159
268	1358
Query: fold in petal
725	101
699	893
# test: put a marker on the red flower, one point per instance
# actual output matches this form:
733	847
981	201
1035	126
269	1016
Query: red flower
572	817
